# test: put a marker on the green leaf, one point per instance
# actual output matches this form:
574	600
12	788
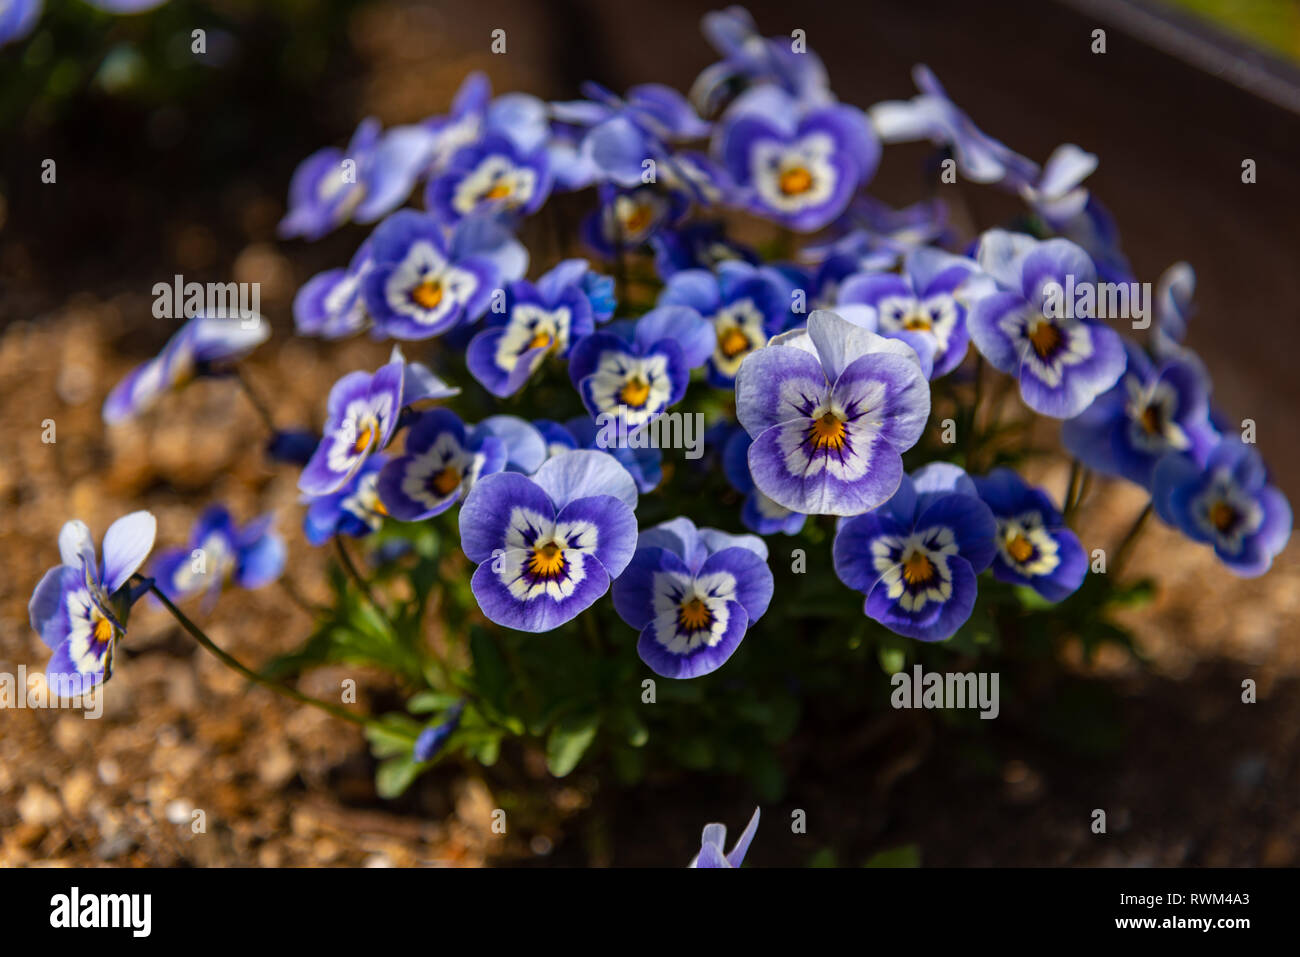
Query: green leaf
909	855
569	740
427	702
395	775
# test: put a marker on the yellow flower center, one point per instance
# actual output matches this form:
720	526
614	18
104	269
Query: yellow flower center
795	180
499	190
1019	547
917	568
547	561
1045	338
635	392
427	294
540	340
637	219
732	342
366	436
828	432
102	631
917	321
445	480
694	615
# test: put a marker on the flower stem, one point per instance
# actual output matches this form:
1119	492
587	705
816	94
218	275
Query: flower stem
255	400
345	559
235	664
1125	547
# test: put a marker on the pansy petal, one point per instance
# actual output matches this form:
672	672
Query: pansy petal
583	473
486	514
126	545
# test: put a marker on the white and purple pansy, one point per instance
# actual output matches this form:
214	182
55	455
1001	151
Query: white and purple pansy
1031	329
626	219
355	509
492	176
476	115
80	607
443	460
692	593
1154	409
369	179
418	287
1227	502
750	59
831	409
917	556
714	840
538	321
932	116
621	134
926	300
1034	545
362	416
796	164
547	546
746	305
759	513
635	371
220	552
331	304
202	347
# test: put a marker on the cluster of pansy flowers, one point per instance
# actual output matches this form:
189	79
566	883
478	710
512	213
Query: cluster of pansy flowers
828	361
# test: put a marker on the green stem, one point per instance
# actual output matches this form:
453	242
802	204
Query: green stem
345	559
235	664
1072	488
1126	544
255	400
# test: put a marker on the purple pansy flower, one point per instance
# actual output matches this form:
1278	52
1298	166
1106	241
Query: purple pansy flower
916	557
1034	545
547	546
831	409
692	594
750	59
202	347
628	218
362	416
418	288
355	509
1154	409
433	738
1227	502
369	179
714	839
442	462
330	304
219	551
490	177
926	301
621	134
1062	361
795	164
634	371
475	115
539	320
932	116
746	306
80	607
